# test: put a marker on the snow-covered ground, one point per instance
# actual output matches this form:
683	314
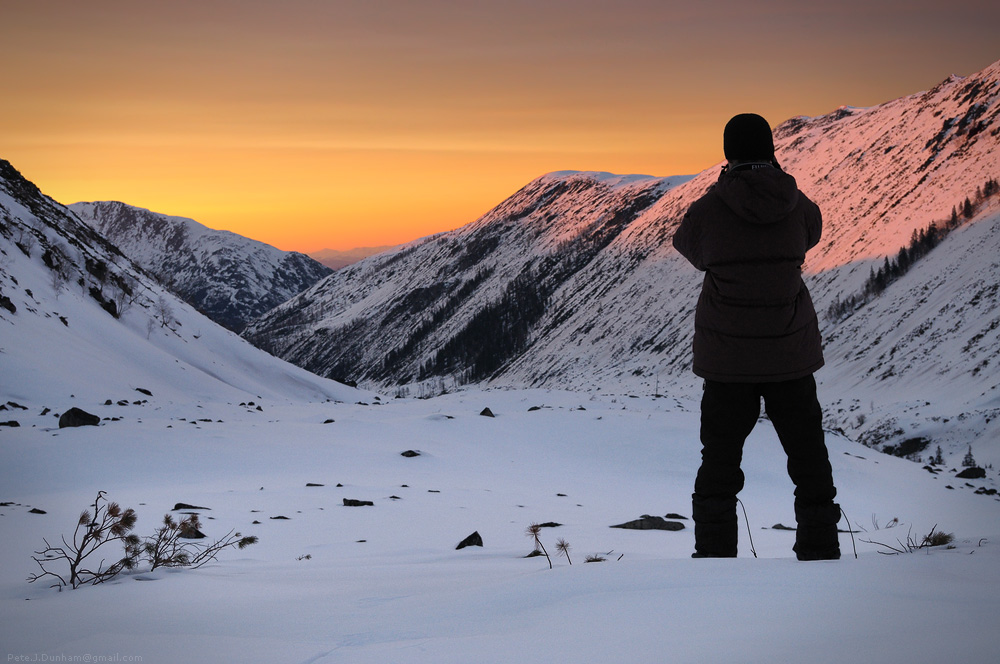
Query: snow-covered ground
384	583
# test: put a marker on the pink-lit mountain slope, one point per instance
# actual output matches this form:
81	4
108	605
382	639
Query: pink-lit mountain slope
573	282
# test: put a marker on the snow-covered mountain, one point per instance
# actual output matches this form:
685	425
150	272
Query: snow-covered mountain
81	324
232	279
572	282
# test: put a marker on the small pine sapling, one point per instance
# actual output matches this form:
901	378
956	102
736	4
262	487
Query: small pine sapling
562	549
107	524
171	544
534	531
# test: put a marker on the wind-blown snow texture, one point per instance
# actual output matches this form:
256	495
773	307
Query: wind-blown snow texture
230	278
573	283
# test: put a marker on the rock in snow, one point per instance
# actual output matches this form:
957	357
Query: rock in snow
76	417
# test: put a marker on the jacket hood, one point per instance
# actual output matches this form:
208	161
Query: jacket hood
758	195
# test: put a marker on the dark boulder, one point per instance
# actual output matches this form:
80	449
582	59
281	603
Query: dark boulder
350	502
472	540
647	522
75	417
972	473
186	506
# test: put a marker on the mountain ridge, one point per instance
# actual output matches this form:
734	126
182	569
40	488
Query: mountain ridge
83	325
231	278
573	283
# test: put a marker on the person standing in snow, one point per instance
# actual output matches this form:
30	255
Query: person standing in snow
757	336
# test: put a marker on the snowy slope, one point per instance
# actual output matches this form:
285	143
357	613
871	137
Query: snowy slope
573	283
83	324
230	278
465	302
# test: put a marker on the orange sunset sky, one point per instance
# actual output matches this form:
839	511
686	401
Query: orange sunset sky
309	124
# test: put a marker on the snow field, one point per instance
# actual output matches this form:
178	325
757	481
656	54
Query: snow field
406	595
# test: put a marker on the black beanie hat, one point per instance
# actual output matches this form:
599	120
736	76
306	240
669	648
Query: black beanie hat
748	137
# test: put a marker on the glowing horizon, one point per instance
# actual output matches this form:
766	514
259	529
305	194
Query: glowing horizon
344	124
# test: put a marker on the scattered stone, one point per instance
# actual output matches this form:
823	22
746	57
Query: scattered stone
472	540
280	517
781	526
339	485
647	522
350	502
487	413
75	417
143	390
534	554
35	510
314	484
549	524
410	453
186	506
433	491
256	522
190	532
13	404
108	402
330	421
10	423
534	408
6	303
674	515
560	495
45	411
394	498
972	473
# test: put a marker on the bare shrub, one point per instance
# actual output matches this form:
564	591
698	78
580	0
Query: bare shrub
106	524
172	544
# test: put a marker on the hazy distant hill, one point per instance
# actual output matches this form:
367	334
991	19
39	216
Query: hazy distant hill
230	278
335	260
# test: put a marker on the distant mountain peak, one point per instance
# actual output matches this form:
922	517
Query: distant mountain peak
232	279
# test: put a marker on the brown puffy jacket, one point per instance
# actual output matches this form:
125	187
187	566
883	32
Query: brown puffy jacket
755	320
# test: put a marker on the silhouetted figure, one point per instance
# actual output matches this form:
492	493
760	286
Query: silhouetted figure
757	335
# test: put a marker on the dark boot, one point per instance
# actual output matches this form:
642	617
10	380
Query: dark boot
715	527
816	537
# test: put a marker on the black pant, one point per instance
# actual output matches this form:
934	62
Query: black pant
729	412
